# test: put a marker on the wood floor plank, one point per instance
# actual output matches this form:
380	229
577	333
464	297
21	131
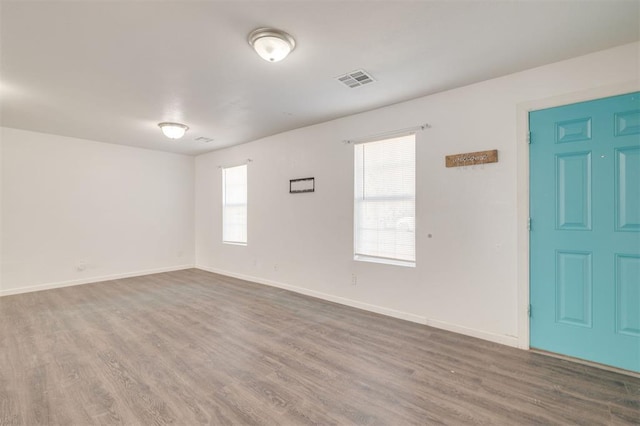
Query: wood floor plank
191	347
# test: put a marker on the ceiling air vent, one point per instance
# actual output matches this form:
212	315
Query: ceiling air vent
203	139
355	79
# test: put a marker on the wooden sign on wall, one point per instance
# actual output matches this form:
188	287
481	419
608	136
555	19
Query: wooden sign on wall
471	158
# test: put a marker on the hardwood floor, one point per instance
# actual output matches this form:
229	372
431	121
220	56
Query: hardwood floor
191	347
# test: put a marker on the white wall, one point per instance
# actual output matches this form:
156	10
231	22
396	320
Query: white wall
1	198
466	278
65	202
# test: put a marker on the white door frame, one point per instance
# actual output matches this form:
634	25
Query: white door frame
522	127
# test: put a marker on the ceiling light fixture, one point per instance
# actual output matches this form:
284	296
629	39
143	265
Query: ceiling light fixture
173	130
272	45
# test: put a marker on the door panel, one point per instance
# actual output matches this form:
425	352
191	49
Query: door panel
627	193
573	288
585	233
573	191
628	292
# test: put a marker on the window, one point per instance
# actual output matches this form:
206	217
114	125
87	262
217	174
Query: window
384	208
234	205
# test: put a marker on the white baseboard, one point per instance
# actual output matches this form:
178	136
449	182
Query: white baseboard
492	337
89	280
484	335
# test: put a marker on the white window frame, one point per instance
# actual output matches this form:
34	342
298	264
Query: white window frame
225	206
360	254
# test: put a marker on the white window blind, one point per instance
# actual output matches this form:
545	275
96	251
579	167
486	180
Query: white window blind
234	204
384	212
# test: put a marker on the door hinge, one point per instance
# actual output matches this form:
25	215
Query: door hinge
529	224
529	137
529	310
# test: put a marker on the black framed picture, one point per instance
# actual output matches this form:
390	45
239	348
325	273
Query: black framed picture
297	186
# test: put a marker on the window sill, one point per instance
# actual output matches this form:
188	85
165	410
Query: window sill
385	261
234	243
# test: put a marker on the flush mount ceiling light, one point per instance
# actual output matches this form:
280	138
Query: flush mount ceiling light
272	45
173	130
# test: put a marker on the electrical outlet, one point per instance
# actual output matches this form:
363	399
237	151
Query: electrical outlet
81	266
354	279
275	267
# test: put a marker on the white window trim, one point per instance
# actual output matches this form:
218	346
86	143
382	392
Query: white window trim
372	258
384	260
224	204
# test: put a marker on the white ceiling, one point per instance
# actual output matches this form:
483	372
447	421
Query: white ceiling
110	71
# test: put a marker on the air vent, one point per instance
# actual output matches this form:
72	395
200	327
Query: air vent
355	79
203	139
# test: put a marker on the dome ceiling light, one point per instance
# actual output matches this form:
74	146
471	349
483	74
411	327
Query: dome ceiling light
173	130
272	45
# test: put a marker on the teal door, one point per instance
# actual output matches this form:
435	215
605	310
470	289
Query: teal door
585	230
